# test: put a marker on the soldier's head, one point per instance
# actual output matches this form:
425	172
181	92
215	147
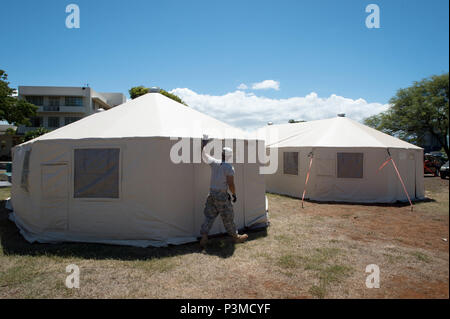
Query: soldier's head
227	154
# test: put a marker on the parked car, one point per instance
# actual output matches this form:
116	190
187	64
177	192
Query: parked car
5	171
439	157
444	171
431	164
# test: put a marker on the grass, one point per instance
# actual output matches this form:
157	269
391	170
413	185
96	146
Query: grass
156	265
5	192
318	291
16	275
421	257
316	252
288	261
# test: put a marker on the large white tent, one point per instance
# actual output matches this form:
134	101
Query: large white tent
346	156
109	178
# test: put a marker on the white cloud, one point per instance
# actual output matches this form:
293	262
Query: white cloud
242	86
248	111
266	84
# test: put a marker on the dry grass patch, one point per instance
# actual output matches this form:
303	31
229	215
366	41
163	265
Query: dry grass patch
320	251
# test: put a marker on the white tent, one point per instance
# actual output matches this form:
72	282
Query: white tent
108	178
346	160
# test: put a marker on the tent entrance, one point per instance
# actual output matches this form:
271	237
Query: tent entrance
55	194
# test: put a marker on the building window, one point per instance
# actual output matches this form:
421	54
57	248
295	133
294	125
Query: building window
35	121
74	101
68	120
53	100
96	173
36	100
53	121
350	165
290	163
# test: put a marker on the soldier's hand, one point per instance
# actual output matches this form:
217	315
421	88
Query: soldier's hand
234	198
204	142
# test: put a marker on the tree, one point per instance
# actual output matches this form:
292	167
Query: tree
10	131
35	133
12	109
137	91
416	111
141	90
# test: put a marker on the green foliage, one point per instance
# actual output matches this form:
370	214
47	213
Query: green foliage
12	109
137	91
172	96
416	111
141	90
35	133
10	131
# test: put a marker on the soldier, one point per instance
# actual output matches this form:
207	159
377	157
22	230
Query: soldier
219	201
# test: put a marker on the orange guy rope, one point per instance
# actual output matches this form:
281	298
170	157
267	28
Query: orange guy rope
307	178
403	184
399	177
384	164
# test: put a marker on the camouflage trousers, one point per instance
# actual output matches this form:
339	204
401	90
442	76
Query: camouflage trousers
218	203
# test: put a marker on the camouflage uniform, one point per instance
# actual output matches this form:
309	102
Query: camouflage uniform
218	202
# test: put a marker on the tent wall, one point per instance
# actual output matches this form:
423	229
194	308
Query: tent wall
159	200
286	184
375	186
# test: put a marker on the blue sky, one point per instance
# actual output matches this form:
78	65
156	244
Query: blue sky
211	47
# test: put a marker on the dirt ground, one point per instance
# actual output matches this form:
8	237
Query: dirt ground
410	248
320	251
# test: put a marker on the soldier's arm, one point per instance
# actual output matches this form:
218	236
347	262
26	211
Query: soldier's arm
230	182
208	159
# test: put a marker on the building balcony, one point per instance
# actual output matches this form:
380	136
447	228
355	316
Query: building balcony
61	109
49	108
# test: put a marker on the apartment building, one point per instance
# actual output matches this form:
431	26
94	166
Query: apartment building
59	106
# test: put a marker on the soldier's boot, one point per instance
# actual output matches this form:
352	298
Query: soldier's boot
204	241
240	238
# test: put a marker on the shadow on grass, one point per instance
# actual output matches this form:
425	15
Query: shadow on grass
396	204
224	246
13	243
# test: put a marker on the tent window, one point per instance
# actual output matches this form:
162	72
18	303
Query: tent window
25	170
96	173
290	163
350	165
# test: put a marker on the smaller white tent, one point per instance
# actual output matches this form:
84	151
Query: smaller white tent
110	178
346	160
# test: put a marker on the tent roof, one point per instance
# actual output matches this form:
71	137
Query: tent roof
150	115
334	132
